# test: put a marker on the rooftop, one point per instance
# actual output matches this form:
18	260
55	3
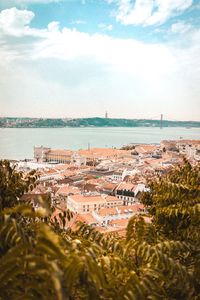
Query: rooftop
66	190
126	186
121	210
87	199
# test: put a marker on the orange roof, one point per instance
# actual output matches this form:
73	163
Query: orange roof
135	208
67	173
101	152
93	181
146	148
126	186
107	211
109	186
188	142
66	190
60	152
121	210
119	223
82	198
87	218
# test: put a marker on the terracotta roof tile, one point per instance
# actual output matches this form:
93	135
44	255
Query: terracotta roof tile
121	210
85	199
126	186
66	190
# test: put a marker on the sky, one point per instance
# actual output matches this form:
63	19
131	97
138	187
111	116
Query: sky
81	58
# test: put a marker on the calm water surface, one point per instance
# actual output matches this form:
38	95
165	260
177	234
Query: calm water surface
18	143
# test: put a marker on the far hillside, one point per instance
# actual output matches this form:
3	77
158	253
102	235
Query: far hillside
90	122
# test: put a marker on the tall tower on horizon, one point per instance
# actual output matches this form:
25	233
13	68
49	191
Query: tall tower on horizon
106	115
161	121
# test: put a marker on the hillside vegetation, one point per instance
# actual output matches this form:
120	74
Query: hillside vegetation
158	260
91	122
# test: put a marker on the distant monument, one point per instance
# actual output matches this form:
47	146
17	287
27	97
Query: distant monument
40	154
161	121
106	115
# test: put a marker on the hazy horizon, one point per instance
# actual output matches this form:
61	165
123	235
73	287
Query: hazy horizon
135	59
88	117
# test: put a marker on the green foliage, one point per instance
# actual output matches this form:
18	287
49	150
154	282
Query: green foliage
174	202
40	259
13	184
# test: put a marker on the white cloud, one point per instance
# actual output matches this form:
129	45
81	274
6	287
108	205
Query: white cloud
53	26
132	75
70	44
149	12
14	21
134	14
180	27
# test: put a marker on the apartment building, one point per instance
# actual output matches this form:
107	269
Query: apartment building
105	215
82	204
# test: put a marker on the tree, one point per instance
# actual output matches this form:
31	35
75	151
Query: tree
174	203
14	184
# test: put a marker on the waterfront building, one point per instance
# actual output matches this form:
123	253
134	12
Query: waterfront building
59	156
40	154
44	154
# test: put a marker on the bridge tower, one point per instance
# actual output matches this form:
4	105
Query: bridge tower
161	121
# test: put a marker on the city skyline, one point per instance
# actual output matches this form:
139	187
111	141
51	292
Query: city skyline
133	59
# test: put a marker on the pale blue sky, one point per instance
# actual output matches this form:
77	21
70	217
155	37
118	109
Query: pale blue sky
79	58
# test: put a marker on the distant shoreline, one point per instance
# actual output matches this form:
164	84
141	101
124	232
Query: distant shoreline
71	127
92	123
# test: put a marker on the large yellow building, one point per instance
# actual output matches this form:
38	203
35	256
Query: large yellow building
44	154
